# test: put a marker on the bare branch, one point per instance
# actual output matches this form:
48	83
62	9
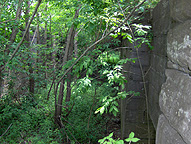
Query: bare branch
8	20
6	130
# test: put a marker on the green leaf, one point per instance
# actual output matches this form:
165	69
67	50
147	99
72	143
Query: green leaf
115	113
116	109
111	109
110	135
119	142
131	135
128	140
81	66
98	110
89	71
101	140
115	103
102	110
135	139
104	99
85	65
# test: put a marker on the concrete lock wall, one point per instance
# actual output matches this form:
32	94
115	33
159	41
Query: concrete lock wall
133	108
169	77
174	121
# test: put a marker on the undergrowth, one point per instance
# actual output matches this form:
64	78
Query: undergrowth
32	121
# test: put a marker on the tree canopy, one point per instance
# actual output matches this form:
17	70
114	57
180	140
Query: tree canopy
61	63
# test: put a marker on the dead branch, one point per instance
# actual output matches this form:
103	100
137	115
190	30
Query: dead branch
6	130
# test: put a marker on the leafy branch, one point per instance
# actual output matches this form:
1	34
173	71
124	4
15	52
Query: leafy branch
110	140
20	43
94	44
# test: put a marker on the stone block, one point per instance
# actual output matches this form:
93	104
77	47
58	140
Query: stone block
172	65
135	104
144	58
143	48
162	25
136	86
166	134
180	10
161	18
135	74
175	102
156	80
160	10
158	62
179	45
160	45
154	109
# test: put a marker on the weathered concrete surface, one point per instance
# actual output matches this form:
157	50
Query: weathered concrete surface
175	102
158	58
133	108
166	134
180	10
179	46
175	95
170	74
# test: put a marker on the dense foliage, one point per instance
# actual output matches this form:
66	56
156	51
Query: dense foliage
61	64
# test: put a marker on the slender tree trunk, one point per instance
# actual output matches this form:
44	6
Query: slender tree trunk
15	29
76	44
69	77
60	98
67	56
1	84
38	32
51	37
38	38
46	45
23	37
52	56
11	40
27	44
1	73
68	94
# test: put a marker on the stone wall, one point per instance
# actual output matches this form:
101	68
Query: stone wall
169	78
170	74
134	109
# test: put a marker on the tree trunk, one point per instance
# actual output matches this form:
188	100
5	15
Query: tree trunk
11	40
27	44
1	84
38	38
60	98
52	56
76	44
69	77
15	29
67	56
68	94
46	45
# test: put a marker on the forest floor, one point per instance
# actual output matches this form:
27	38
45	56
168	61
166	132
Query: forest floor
114	125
